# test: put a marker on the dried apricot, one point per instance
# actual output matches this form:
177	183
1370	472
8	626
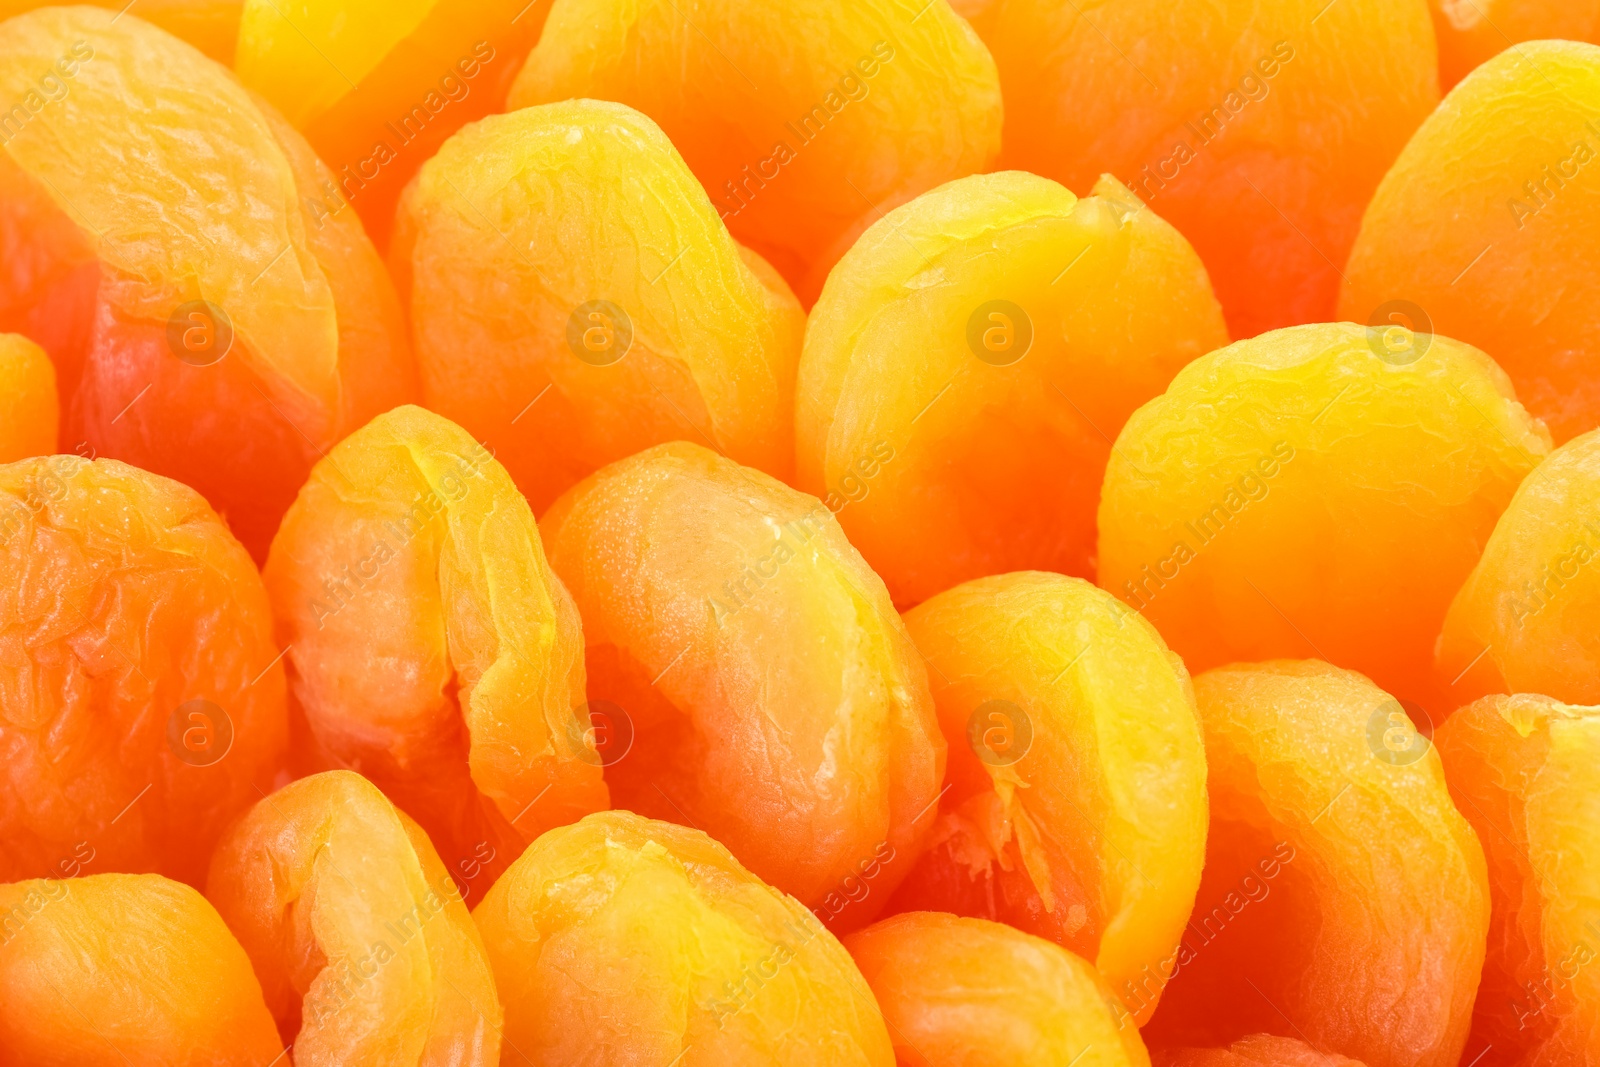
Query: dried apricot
430	647
125	970
774	697
1321	490
141	701
1522	770
208	320
1485	228
1258	130
1257	1050
1345	899
1472	31
574	299
377	86
973	993
969	363
210	25
650	942
366	953
804	119
1525	619
1075	802
29	409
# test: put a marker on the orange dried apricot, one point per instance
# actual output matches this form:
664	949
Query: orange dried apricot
1522	770
210	25
805	120
430	646
650	942
973	993
206	322
29	408
1075	806
1257	1050
1486	225
366	953
1321	490
125	970
377	86
1472	31
141	701
774	697
969	363
574	299
1344	900
1525	621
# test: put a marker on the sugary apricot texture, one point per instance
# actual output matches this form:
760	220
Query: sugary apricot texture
141	704
1076	802
366	952
1321	490
377	86
1258	130
574	299
1527	620
29	408
1522	770
1257	1050
430	645
207	320
1487	224
774	696
1345	899
125	970
969	363
804	119
649	942
1472	31
973	993
210	25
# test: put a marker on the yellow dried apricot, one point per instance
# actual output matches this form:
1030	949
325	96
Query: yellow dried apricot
29	408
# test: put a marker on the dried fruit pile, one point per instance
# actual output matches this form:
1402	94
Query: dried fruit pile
813	533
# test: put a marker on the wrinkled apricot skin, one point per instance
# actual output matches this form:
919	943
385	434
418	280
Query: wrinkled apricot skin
1527	619
1472	31
775	699
647	943
1522	769
377	86
973	993
430	645
366	952
1299	494
1345	900
29	409
1259	131
1076	785
302	337
143	706
125	970
781	107
969	363
574	299
1488	221
1257	1050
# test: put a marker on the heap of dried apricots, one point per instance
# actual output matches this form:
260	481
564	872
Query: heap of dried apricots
721	533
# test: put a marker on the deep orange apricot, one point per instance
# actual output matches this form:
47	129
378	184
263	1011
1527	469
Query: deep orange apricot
1471	32
141	698
429	644
774	697
125	970
366	952
1257	1050
29	408
973	993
